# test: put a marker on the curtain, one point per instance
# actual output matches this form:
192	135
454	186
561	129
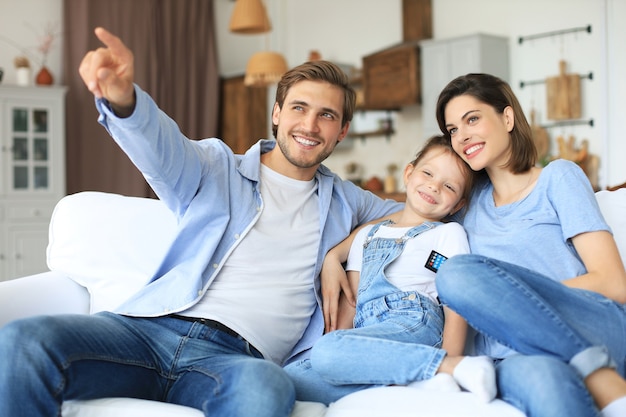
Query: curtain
175	52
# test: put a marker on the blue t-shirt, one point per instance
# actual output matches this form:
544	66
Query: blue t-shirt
536	231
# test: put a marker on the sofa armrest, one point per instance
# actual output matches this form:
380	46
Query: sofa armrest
46	293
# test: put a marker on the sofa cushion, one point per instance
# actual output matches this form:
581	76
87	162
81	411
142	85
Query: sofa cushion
410	402
108	243
130	407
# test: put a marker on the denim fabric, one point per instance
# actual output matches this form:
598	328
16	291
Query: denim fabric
570	332
543	386
396	339
163	359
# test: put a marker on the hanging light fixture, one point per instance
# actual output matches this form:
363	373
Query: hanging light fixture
264	68
249	17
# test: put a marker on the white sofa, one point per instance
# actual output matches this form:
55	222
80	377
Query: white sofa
103	247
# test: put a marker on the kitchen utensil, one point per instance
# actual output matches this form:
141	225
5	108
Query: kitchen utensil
540	137
563	95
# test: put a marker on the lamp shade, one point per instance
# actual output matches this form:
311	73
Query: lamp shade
264	68
249	17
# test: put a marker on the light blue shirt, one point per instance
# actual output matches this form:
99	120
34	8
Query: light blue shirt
215	196
536	231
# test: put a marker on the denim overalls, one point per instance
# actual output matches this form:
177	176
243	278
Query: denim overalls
377	298
396	337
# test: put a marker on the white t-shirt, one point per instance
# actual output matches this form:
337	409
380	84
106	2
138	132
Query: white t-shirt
265	290
408	272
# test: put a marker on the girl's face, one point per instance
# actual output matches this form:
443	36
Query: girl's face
480	135
435	185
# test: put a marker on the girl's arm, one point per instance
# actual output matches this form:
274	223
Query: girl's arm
454	333
605	270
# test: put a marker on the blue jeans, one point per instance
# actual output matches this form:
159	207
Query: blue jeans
46	360
399	345
396	339
560	334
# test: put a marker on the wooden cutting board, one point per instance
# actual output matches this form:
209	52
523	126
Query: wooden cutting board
563	95
541	139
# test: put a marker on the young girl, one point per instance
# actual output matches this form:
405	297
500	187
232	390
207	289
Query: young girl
399	323
544	285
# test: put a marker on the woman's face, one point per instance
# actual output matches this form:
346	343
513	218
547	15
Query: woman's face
480	135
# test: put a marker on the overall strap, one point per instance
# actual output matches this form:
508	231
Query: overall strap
411	233
421	229
373	230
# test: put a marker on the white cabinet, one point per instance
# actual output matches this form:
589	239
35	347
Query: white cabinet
444	60
32	174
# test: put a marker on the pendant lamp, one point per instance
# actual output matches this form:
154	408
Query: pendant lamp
249	17
264	68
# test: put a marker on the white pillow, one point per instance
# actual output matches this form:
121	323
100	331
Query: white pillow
109	243
613	206
399	401
129	407
126	407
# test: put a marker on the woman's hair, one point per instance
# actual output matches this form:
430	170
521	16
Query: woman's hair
495	92
318	71
443	143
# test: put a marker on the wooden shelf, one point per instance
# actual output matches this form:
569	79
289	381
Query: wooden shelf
371	133
398	196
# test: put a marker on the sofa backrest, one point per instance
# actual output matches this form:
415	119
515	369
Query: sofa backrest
613	206
112	244
108	243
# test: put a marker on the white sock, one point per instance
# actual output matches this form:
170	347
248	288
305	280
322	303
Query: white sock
477	375
615	408
440	382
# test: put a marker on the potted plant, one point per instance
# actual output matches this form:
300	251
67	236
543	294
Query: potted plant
22	70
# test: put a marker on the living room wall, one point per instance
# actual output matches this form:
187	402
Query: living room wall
349	29
346	30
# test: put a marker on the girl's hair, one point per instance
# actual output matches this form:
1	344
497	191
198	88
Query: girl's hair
318	71
495	92
443	143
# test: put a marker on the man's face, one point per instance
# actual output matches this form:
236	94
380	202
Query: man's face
309	126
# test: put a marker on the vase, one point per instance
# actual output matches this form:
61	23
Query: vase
22	75
44	77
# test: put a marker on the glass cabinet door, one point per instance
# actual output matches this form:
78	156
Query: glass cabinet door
30	149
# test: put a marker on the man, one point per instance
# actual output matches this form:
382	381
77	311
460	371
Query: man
237	296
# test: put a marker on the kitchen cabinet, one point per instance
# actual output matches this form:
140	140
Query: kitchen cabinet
244	114
32	167
391	78
444	60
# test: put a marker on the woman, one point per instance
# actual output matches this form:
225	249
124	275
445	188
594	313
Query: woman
544	285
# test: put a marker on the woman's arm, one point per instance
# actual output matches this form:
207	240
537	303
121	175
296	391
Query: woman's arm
605	270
